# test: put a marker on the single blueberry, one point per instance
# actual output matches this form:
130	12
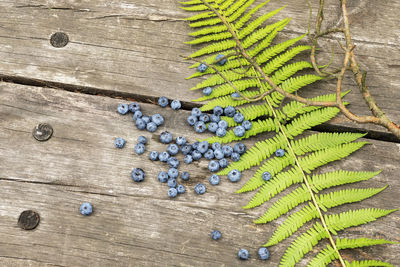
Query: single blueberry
221	59
280	152
229	111
142	139
188	159
204	118
140	124
180	140
86	209
209	154
202	147
239	148
196	155
213	166
263	253
165	137
158	119
163	101
146	119
234	176
243	254
218	111
221	132
214	179
133	107
215	118
119	142
186	149
223	124
123	108
239	131
151	127
172	182
216	235
200	127
218	154
235	95
191	120
196	112
137	175
140	148
228	150
176	104
238	117
153	155
223	163
216	145
266	176
163	156
172	192
173	173
181	189
207	91
247	125
200	189
195	145
202	67
163	177
137	115
172	149
173	162
185	176
235	156
212	127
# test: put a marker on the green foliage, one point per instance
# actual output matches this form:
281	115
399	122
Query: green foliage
281	124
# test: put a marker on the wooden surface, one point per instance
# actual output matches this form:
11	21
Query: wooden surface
129	49
134	47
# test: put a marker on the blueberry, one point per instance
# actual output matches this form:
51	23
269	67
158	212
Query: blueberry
218	154
137	175
185	176
163	177
123	109
172	149
209	154
175	104
207	91
221	59
202	67
133	107
202	147
247	125
140	124
280	152
223	163
191	120
234	176
214	179
86	209
239	148
163	101
221	132
153	155
196	155
158	119
218	111
173	162
173	173
235	156
212	127
146	119
228	150
181	189
172	192
172	182
163	156
165	137
137	115
200	127
235	95
216	235
243	254
200	189
119	142
186	149
238	117
266	176
188	159
195	145
140	148
196	112
229	111
263	253
151	127
223	124
215	118
213	166
180	140
204	118
239	131
216	145
142	140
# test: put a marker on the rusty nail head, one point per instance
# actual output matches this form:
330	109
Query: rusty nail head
42	132
59	39
28	220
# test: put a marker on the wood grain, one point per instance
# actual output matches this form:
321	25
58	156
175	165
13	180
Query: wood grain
134	47
137	224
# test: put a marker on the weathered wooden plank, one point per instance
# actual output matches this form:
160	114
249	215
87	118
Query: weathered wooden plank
135	47
136	224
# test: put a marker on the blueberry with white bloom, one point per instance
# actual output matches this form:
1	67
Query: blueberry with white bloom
186	149
200	189
229	111
173	162
202	147
185	176
181	189
180	140
212	127
151	127
221	132
153	155
163	102
163	177
218	111
263	253
200	127
235	156
218	154
142	139
196	112
223	124
191	120
165	137
188	159
140	124
239	131
86	209
213	166
266	176
247	125
204	118
216	235
280	152
176	104
234	176
137	175
137	115
195	145
146	119
172	192
228	150
243	254
221	59
202	67
209	154
235	95
123	109
239	148
172	149
119	142
196	155
140	148
163	156
133	107
223	163
173	173
216	145
158	119
215	118
172	182
238	117
214	179
207	91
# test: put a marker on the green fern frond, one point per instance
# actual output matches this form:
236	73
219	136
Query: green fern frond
368	263
200	7
195	2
